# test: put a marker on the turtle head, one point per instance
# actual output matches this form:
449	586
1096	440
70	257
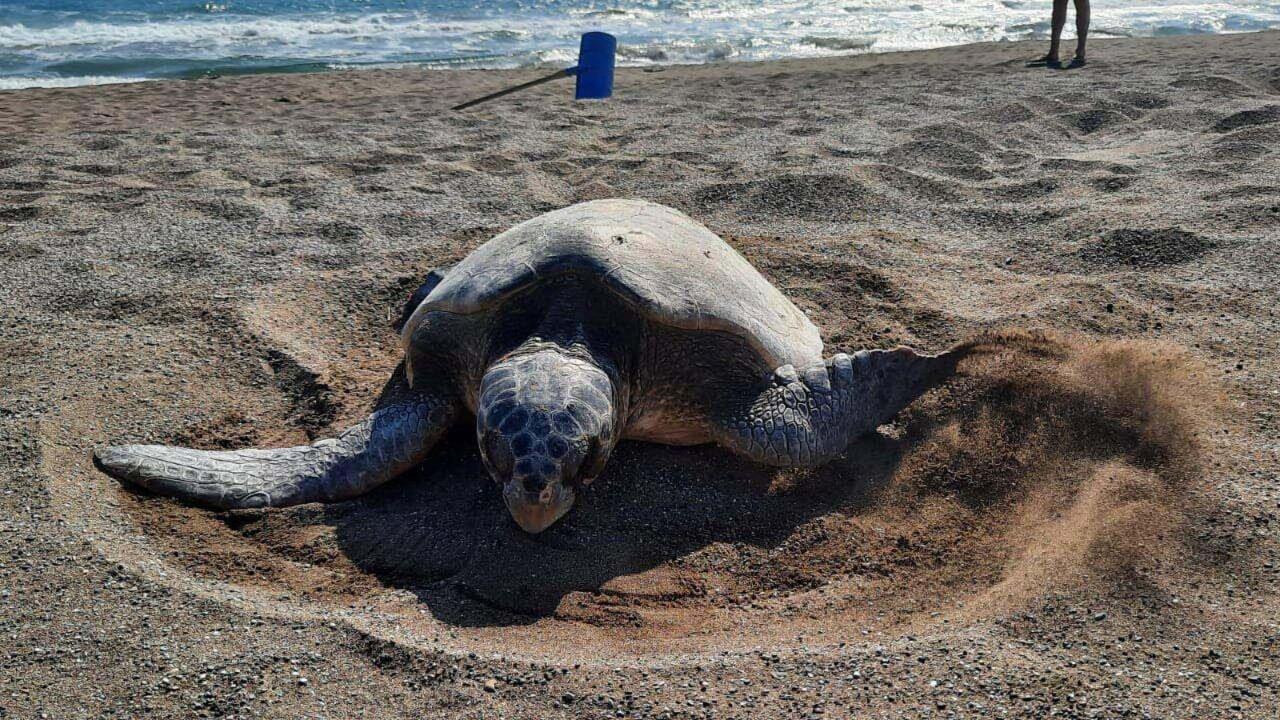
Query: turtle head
546	422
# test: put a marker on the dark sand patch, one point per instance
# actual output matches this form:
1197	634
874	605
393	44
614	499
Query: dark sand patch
1248	118
22	213
1143	248
800	196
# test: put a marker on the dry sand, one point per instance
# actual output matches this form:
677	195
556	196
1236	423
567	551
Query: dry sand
1080	529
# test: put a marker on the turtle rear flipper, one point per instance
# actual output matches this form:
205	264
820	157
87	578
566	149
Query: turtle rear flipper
806	417
366	455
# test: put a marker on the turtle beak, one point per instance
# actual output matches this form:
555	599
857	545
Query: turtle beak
535	512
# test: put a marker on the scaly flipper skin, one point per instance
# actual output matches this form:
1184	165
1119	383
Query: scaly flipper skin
388	442
805	418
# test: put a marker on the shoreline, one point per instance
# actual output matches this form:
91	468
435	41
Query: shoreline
146	103
149	41
221	71
223	68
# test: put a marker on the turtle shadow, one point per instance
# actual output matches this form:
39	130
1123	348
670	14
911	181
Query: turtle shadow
443	533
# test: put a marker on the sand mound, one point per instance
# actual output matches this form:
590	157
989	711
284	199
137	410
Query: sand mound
1047	464
801	196
1146	248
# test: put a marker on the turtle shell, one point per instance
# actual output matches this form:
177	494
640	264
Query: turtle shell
668	267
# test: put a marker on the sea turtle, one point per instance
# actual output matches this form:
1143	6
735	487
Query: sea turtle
573	330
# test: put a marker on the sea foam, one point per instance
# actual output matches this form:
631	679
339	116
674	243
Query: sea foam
40	44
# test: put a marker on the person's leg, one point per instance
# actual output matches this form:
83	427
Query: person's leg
1059	21
1082	28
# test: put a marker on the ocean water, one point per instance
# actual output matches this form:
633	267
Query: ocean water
75	42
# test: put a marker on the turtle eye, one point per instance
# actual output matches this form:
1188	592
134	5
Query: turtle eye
496	456
594	462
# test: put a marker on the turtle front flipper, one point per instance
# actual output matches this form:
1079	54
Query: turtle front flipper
368	454
807	417
429	283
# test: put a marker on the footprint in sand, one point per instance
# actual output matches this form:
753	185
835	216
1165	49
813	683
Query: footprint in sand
1247	118
22	213
933	153
791	195
228	209
1091	121
1212	84
95	169
1143	100
102	142
1145	248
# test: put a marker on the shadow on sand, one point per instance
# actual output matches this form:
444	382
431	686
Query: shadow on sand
442	532
1107	435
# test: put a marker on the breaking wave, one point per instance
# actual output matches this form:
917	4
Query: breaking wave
57	42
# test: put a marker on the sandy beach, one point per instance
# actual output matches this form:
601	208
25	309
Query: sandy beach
1085	531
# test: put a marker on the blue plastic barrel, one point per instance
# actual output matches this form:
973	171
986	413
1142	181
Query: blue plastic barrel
595	66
